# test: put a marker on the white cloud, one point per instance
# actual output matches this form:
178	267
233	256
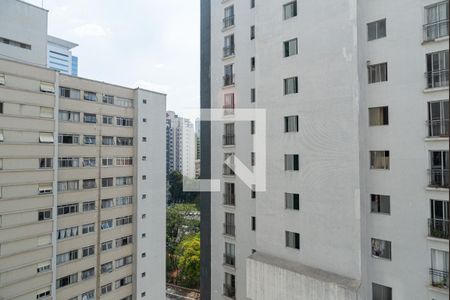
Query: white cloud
91	30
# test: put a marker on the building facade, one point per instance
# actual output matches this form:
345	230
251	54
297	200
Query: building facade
356	201
82	187
59	56
181	145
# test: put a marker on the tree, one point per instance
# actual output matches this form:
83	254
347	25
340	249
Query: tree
175	189
188	252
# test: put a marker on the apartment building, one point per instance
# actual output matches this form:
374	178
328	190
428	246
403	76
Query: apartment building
59	56
356	99
82	187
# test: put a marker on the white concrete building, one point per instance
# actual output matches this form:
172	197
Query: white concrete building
356	203
59	56
181	145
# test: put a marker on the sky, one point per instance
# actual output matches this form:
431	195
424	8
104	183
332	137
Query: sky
153	44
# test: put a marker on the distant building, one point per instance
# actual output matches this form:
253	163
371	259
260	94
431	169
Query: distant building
59	56
180	148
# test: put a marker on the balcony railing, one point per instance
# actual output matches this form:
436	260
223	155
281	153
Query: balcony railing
437	79
229	199
229	291
438	178
229	260
438	128
438	228
229	229
435	30
228	21
228	79
439	278
228	109
228	139
228	51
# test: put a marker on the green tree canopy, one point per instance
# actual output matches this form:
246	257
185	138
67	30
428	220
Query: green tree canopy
188	252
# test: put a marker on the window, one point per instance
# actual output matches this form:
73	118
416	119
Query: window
44	215
90	96
144	158
107	245
381	292
106	182
67	233
124	261
253	191
108	99
107	224
2	139
89	162
69	93
127	180
229	198
378	116
379	160
69	116
88	206
252	158
228	138
107	162
437	69
88	295
380	204
439	268
67	256
1	107
291	124
291	162
230	254
45	188
87	228
253	223
252	95
252	32
228	170
143	275
71	185
124	200
228	78
124	141
107	120
439	169
47	87
292	201
252	3
88	251
68	162
68	209
124	121
229	224
87	274
69	139
228	105
89	184
438	118
381	249
123	102
123	241
107	140
106	288
144	120
89	139
229	286
90	118
66	280
228	45
124	161
290	47
291	85
45	163
45	112
144	101
292	240
228	19
290	10
252	63
44	137
144	139
107	203
377	73
107	267
2	79
376	30
436	21
42	267
124	281
124	220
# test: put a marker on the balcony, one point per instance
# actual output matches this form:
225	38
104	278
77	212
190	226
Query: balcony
228	51
438	128
229	260
228	139
437	79
228	21
438	178
229	291
228	80
438	228
439	278
435	30
227	171
229	199
229	229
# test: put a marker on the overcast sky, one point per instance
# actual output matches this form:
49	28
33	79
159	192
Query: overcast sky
154	44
